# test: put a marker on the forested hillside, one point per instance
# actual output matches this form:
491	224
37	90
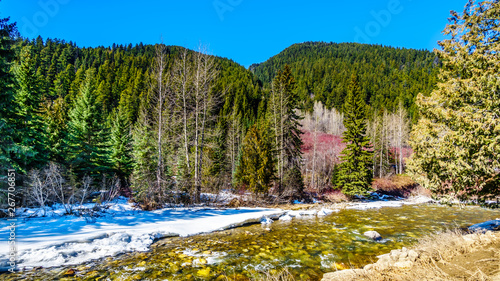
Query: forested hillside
386	74
166	121
122	74
122	116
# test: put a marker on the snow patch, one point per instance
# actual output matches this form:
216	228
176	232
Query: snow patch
286	217
57	239
325	212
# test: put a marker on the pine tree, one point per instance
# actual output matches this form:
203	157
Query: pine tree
29	134
55	117
355	175
88	134
121	150
256	167
457	140
144	168
284	121
7	112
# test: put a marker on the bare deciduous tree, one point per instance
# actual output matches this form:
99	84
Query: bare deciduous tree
38	191
205	101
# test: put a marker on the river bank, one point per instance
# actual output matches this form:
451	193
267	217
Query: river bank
309	240
53	239
452	255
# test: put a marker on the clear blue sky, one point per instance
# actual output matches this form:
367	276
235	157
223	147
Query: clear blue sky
247	31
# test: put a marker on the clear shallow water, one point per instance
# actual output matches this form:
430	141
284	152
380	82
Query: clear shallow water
307	246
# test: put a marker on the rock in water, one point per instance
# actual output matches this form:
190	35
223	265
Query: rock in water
373	235
486	226
70	272
266	220
286	217
205	272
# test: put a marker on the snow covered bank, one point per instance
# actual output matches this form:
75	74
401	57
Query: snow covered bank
56	239
380	204
62	240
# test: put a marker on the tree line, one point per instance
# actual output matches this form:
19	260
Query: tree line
387	75
162	122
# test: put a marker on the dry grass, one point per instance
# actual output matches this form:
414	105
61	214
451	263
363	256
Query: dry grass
448	256
421	191
283	275
399	185
335	196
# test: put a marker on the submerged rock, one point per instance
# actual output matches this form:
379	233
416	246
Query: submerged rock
266	220
69	272
373	235
205	272
493	225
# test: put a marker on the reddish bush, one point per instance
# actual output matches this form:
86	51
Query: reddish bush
334	196
398	185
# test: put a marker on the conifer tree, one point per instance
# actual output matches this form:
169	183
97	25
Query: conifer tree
256	167
284	121
55	117
121	141
29	134
355	175
457	140
7	146
88	134
144	168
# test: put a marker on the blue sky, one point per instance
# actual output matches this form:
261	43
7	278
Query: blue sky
247	31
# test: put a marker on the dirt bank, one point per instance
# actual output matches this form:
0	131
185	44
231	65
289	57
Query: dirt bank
446	256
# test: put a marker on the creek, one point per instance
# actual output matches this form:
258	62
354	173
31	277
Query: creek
307	246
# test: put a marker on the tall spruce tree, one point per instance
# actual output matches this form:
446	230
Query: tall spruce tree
144	152
55	116
355	174
284	120
7	112
88	134
456	142
29	135
256	167
121	141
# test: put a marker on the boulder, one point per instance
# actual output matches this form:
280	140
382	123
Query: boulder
493	225
412	255
384	262
395	255
373	235
403	264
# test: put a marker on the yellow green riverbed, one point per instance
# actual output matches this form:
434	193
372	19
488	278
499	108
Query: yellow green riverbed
307	247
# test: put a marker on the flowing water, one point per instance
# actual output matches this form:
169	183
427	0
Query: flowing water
307	246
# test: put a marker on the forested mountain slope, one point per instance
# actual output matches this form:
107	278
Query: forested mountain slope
122	74
386	74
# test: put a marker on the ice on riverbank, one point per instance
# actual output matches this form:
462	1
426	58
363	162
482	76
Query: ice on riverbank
57	240
381	204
